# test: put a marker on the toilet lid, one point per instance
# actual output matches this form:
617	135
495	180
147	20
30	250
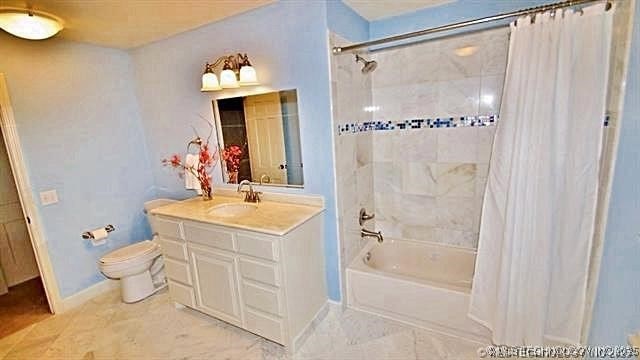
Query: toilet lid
129	252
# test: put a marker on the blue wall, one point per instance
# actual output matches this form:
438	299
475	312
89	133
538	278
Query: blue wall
347	23
617	308
287	43
79	126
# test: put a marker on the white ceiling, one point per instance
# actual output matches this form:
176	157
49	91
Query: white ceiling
378	9
130	23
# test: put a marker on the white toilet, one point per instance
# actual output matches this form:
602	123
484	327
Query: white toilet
139	266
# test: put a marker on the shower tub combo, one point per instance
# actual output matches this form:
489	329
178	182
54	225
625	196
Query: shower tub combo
422	284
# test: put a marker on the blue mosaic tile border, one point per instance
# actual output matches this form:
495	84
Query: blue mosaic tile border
448	122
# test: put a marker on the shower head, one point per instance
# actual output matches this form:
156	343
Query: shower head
368	65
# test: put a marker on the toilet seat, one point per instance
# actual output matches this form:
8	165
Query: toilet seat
130	255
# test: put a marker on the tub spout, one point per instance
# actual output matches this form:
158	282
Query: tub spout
368	233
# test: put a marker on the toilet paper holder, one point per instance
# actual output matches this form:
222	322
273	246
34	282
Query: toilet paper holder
87	235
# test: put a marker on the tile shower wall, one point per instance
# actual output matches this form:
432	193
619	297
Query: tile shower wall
351	93
429	182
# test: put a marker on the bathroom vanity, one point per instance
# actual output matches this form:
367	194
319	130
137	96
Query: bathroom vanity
257	266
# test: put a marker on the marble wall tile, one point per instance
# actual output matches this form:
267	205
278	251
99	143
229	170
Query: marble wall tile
454	66
364	186
387	176
390	229
490	94
364	149
419	178
459	97
455	179
346	162
415	145
458	145
424	61
389	101
485	143
416	210
495	51
481	186
421	100
384	205
420	233
383	146
351	93
456	213
429	183
456	237
392	67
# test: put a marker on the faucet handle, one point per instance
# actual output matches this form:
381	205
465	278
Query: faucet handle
363	217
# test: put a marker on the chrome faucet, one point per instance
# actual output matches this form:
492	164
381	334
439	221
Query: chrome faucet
368	233
250	195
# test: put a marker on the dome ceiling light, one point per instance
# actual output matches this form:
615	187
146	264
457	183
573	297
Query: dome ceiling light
29	24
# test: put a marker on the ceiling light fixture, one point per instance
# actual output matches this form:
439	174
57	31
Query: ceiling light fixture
29	24
237	71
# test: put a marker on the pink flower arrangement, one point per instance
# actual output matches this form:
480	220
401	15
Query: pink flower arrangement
232	155
207	161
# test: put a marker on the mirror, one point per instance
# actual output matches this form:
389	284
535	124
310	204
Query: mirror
260	139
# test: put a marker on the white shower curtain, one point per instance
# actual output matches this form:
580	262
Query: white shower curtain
538	214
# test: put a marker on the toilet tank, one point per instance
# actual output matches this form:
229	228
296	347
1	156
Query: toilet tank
150	205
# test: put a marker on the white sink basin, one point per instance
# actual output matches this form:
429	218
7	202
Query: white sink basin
233	210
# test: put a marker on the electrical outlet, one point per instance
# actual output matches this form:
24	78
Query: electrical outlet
48	197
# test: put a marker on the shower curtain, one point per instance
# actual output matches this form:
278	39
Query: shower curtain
538	215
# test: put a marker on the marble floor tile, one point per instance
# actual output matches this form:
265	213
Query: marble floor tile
105	328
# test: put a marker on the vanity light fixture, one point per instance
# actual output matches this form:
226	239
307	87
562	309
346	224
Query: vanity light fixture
237	71
29	24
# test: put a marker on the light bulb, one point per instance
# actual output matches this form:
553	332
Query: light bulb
210	82
228	79
248	76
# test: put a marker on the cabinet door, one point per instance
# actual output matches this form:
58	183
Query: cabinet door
216	284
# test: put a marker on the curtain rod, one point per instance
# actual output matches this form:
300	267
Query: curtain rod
342	49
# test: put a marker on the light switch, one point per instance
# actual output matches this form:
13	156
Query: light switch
48	197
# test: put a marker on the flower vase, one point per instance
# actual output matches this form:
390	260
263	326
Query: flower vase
233	177
206	192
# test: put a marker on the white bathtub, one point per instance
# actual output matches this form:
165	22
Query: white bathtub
423	284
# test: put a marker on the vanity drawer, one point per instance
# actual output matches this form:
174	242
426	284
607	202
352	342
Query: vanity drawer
270	327
177	271
182	294
264	272
174	249
262	298
262	247
209	236
166	227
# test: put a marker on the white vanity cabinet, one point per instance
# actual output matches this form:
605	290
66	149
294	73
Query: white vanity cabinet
273	286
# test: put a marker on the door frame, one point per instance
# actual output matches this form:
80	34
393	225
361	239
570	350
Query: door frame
25	194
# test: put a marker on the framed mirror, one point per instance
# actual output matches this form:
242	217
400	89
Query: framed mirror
259	137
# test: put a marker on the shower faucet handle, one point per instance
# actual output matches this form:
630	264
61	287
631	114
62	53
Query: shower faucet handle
364	217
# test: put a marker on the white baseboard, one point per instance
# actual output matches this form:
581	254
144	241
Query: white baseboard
87	294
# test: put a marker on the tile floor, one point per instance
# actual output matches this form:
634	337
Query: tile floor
104	328
23	305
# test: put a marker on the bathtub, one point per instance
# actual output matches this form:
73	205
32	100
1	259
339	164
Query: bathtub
422	284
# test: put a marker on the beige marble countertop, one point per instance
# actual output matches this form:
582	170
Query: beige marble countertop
271	217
